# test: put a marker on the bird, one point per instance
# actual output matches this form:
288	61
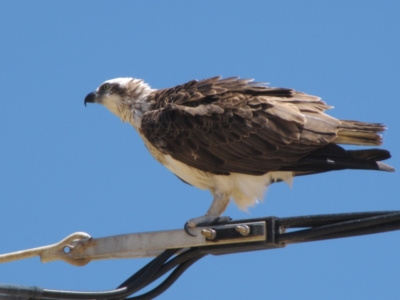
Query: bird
234	136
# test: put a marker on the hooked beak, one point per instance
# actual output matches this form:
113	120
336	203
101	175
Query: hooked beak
90	98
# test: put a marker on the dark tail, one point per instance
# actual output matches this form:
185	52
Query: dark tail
333	157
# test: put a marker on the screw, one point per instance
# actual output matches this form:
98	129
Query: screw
210	234
243	230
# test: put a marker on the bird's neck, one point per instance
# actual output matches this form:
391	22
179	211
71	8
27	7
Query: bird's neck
137	104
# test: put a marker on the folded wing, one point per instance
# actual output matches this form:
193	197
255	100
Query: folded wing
235	125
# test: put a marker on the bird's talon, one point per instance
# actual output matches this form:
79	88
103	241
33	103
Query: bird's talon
224	219
186	228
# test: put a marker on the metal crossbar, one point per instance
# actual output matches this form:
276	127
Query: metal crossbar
176	251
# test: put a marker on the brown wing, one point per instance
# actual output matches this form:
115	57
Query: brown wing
234	125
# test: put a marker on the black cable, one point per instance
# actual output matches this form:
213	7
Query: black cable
164	256
320	227
301	235
357	232
319	220
21	291
168	281
179	260
137	282
58	294
119	293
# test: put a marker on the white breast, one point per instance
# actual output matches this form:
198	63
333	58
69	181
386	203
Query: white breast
244	189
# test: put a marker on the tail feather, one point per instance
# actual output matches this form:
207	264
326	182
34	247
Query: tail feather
384	167
370	154
359	133
333	157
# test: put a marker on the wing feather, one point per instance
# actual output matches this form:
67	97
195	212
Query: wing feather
235	125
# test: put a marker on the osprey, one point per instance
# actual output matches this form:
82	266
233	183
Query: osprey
234	137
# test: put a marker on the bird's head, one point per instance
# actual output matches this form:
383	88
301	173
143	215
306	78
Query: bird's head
125	97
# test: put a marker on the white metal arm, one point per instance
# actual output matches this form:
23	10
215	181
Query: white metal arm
80	248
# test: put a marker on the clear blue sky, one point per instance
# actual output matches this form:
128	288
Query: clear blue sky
67	168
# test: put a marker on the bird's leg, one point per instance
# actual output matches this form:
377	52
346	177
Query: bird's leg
218	206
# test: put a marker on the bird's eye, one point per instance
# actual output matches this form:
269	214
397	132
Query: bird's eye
105	87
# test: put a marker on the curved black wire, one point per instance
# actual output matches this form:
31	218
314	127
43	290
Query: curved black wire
145	274
180	260
139	281
164	257
58	294
168	281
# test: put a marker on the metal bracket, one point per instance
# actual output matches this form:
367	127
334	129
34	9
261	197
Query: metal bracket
232	237
80	248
